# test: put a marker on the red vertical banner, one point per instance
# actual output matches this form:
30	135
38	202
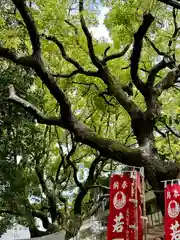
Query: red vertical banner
119	196
172	212
123	220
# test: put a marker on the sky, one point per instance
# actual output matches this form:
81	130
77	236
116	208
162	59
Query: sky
99	32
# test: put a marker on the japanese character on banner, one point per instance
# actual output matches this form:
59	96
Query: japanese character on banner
116	185
124	185
175	231
118	226
176	194
172	212
168	195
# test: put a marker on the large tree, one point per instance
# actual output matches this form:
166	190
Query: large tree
118	103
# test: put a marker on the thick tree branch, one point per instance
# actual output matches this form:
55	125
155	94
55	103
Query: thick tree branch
92	55
10	211
35	112
33	213
171	3
63	51
26	61
87	136
82	133
115	55
171	130
153	72
167	82
137	47
31	26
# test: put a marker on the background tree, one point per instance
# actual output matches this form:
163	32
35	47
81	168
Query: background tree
116	100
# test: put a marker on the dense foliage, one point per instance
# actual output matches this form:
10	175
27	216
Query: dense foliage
73	108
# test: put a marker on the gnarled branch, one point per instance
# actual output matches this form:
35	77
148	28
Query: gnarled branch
153	72
137	47
155	48
167	82
92	55
31	26
115	55
78	71
34	111
82	133
89	182
63	51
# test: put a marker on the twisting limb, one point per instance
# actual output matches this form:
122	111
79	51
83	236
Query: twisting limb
78	71
68	75
171	130
137	47
146	71
92	55
83	134
63	51
75	170
168	81
26	61
87	136
31	26
153	72
155	48
160	132
34	111
76	34
34	213
89	182
87	84
115	55
50	197
176	28
106	50
102	94
175	33
73	26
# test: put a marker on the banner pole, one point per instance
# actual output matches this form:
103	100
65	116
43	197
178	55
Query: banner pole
136	209
144	204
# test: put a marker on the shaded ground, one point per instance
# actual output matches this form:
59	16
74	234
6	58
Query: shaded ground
156	232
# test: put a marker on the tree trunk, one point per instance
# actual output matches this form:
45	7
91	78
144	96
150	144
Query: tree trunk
156	169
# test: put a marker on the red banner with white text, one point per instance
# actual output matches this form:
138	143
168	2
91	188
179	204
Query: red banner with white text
125	208
172	212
